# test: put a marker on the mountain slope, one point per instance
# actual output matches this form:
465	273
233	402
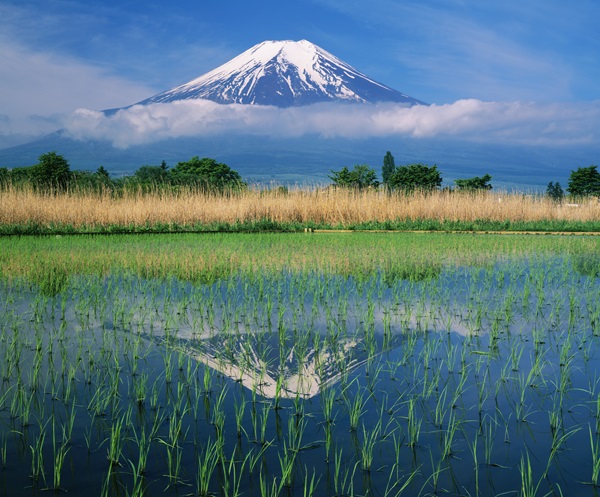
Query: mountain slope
283	74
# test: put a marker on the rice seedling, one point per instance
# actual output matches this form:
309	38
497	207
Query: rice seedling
59	454
473	450
440	408
138	485
174	455
154	396
256	456
278	392
115	441
515	357
232	480
327	400
595	450
218	412
522	408
310	486
488	432
140	386
143	443
260	423
529	488
367	447
69	423
355	404
328	442
343	476
295	432
240	408
558	442
269	487
208	461
372	374
413	429
449	434
287	461
395	485
436	471
37	455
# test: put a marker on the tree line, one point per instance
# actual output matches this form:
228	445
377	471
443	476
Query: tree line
406	178
583	182
53	172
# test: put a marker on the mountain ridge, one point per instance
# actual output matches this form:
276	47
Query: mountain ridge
283	74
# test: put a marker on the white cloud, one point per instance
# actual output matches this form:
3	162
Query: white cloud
40	88
494	122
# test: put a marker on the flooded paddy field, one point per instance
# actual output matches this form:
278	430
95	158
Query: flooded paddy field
312	364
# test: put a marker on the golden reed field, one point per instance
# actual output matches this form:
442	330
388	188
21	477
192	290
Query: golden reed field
336	207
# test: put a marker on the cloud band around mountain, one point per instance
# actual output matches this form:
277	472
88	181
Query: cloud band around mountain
507	122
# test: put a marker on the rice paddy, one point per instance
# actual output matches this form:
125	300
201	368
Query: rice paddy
300	364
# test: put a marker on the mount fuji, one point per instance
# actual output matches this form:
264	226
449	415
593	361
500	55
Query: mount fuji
270	86
283	74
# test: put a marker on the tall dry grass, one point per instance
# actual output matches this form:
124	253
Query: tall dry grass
323	206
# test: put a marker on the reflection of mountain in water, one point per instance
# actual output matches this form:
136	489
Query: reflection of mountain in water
273	371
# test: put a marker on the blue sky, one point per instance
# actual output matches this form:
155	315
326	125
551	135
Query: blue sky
60	55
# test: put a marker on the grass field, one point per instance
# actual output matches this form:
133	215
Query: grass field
26	211
210	256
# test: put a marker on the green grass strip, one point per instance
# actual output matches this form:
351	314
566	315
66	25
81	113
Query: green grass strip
267	225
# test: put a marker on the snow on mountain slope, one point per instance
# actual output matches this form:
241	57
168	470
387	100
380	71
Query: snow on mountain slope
284	74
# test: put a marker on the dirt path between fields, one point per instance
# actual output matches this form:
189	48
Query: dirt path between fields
467	232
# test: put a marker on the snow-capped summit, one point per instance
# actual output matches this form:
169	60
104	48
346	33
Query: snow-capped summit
284	74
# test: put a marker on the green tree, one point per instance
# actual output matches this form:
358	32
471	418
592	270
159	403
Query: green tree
415	177
341	178
102	173
152	175
362	176
475	183
584	182
91	180
206	173
21	175
555	191
51	172
85	180
388	167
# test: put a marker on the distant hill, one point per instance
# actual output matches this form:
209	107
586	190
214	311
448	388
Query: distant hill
310	159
